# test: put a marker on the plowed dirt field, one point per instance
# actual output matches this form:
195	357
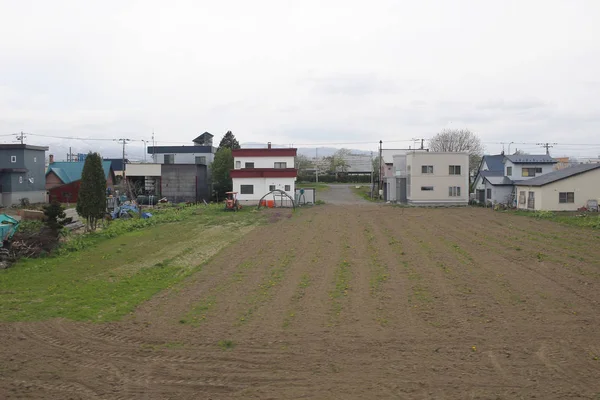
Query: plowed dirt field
345	302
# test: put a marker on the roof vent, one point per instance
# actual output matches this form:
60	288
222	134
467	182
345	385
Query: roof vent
269	145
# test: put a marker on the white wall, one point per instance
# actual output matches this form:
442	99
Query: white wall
143	169
261	187
500	194
441	179
263	162
585	186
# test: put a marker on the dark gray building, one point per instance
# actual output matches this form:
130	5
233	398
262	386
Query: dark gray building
185	182
22	173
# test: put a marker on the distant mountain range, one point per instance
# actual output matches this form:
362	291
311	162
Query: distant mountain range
310	152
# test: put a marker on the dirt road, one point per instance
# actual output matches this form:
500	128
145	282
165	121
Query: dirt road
341	195
345	303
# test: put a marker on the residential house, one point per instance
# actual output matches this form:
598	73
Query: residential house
259	171
22	174
566	189
429	178
201	152
490	166
63	179
496	185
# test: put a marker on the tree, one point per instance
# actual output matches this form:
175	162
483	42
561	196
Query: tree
91	202
220	167
229	141
302	162
455	140
339	161
519	153
55	216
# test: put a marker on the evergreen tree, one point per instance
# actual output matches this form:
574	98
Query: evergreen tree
55	216
222	164
91	203
229	141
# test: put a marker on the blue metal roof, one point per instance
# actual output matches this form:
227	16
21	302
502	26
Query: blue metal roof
531	159
69	172
495	162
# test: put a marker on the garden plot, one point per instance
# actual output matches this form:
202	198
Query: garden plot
349	301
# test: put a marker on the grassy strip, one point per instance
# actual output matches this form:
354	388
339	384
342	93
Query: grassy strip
298	295
419	291
319	187
584	220
264	292
200	312
106	275
365	193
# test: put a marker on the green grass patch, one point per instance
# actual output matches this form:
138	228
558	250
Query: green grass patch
226	344
105	275
365	193
319	187
580	219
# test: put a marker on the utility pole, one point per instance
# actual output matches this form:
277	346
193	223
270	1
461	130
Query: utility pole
380	166
372	173
547	146
316	164
21	137
123	142
70	155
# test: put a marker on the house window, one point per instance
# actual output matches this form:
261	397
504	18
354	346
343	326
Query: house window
169	158
20	179
426	188
454	170
538	170
528	172
489	193
34	159
238	164
288	188
249	165
508	171
280	165
271	188
427	169
566	197
247	189
201	160
522	197
13	159
454	191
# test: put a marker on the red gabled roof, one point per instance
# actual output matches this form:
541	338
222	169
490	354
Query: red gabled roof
264	173
288	152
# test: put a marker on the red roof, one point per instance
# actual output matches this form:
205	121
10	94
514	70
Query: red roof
264	173
287	152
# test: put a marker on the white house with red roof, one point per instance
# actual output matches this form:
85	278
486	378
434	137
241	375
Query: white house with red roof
259	171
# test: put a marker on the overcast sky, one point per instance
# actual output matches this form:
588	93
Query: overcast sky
302	72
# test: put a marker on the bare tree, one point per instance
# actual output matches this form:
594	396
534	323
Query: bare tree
519	152
340	160
455	140
302	162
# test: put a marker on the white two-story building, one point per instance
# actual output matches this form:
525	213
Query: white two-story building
259	171
429	178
